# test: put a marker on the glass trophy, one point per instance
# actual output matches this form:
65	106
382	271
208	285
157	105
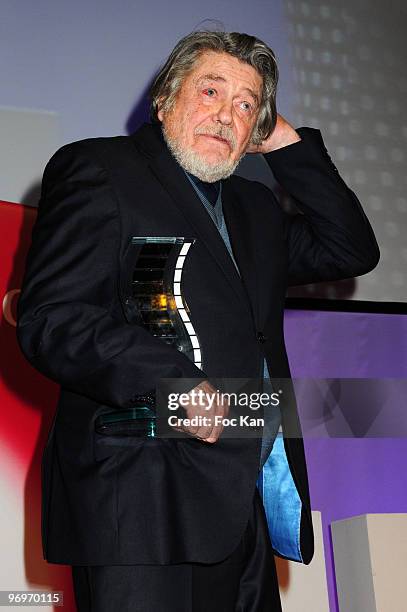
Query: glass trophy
154	300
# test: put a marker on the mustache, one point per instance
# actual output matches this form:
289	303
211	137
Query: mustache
222	131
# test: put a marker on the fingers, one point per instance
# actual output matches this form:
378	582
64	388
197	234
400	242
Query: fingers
206	421
204	417
221	411
253	148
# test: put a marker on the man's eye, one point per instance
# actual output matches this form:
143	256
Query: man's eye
246	106
210	92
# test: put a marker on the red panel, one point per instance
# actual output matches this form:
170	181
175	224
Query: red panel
27	401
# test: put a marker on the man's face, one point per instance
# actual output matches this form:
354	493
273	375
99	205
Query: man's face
210	124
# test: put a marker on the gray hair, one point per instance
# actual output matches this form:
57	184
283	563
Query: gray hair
245	48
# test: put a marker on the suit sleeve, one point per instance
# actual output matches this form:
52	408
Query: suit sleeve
69	324
331	238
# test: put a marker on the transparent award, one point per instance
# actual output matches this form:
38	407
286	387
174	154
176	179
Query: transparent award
153	299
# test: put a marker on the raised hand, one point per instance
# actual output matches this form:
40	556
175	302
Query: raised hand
282	135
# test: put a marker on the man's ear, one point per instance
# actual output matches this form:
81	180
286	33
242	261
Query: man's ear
160	105
255	138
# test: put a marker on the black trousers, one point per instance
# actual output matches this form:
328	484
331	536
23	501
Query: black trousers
245	581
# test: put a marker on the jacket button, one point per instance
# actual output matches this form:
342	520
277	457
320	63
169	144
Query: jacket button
261	337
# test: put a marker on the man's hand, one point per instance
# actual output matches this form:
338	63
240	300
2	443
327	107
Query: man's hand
282	135
205	403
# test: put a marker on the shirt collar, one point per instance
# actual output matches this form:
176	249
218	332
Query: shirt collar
211	191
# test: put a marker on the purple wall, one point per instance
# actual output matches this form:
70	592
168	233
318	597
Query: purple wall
348	476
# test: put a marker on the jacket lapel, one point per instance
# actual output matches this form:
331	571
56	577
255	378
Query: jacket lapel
172	178
243	243
259	249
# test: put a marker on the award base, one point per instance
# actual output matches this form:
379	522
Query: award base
139	421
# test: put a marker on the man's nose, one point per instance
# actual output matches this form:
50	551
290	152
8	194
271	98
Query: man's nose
224	113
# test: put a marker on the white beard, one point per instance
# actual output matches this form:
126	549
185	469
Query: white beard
195	164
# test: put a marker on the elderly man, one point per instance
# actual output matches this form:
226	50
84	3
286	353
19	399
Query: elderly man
178	524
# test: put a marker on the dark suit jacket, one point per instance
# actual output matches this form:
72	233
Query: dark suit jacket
168	500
